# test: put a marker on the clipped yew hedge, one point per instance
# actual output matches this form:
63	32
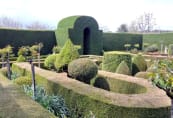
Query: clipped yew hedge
83	99
116	41
112	59
83	31
18	38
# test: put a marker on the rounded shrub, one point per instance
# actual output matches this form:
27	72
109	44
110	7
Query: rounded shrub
23	80
21	58
138	64
123	68
142	75
112	59
82	69
152	48
49	61
68	53
4	71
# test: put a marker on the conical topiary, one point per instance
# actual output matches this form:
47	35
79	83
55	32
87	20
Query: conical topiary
68	53
123	68
138	64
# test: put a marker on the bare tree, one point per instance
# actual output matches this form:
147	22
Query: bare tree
38	26
145	23
123	28
9	23
133	27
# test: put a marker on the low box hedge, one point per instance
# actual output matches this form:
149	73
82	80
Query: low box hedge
82	98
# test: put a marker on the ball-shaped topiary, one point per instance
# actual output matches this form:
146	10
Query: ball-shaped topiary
68	53
138	64
21	58
23	80
82	69
49	61
123	68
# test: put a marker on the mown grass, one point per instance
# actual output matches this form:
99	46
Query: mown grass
15	104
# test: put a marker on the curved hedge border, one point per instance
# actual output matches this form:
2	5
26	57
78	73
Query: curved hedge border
83	98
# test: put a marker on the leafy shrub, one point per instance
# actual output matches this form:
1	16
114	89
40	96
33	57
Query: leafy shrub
54	104
4	71
82	69
152	48
144	75
56	49
138	64
50	60
123	68
23	80
170	50
111	60
67	54
21	58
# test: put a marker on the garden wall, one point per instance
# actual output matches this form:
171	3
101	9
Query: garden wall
17	38
82	98
116	41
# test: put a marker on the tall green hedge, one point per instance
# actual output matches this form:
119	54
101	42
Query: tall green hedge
17	38
116	41
112	59
160	38
83	31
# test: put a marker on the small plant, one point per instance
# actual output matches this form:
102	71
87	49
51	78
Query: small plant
23	80
49	61
82	69
21	58
152	48
127	46
54	104
56	49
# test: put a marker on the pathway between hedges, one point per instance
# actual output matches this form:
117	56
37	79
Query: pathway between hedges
15	104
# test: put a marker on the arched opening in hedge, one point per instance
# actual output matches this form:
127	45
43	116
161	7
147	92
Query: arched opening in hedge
86	40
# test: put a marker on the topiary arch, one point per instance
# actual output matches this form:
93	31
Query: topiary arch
83	31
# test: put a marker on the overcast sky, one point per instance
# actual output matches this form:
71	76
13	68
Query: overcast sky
108	13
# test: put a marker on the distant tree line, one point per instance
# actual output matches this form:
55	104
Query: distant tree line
144	23
7	22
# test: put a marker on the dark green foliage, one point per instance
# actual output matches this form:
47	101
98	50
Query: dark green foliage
49	61
116	41
54	104
144	75
100	82
82	69
170	49
111	60
67	54
21	58
138	64
23	80
152	48
123	68
162	38
83	31
80	105
19	38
